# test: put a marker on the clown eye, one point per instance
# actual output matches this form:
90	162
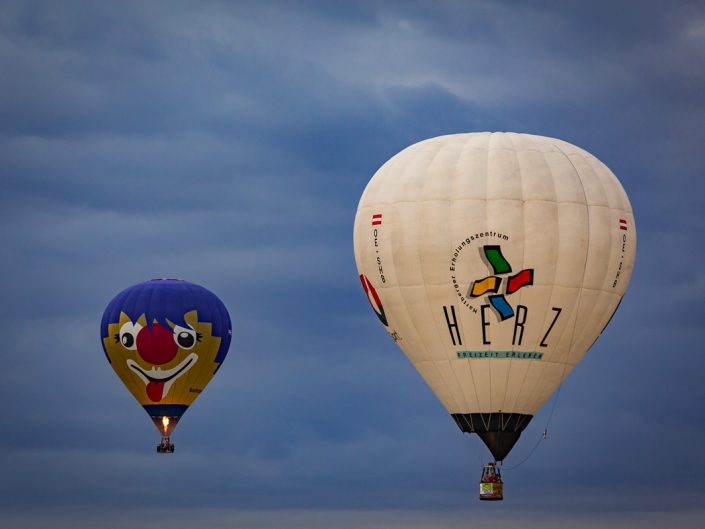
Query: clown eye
128	335
184	338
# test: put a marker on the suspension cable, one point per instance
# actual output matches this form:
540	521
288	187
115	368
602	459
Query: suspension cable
544	434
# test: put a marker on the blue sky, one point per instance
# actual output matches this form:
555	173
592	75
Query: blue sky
228	143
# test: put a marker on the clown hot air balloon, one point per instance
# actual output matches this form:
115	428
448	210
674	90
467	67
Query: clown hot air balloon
165	339
494	260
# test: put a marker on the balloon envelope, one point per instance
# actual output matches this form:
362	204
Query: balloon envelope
165	339
494	261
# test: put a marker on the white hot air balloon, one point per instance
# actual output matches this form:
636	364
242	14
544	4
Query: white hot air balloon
494	261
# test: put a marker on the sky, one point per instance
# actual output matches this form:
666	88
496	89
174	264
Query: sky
228	143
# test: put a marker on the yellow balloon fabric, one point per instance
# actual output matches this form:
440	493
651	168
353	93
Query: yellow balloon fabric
165	339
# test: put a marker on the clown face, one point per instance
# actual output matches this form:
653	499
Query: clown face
165	362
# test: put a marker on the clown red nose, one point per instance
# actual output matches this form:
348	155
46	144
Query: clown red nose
156	346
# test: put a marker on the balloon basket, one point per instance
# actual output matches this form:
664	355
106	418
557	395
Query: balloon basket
491	486
491	491
166	446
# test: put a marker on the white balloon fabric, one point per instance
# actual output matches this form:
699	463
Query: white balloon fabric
494	260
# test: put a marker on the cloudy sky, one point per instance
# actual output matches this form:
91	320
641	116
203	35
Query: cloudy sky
228	143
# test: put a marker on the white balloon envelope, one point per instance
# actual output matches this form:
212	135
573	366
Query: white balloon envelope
494	260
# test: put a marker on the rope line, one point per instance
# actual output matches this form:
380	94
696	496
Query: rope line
544	434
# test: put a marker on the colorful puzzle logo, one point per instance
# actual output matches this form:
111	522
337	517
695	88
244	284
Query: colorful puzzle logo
492	255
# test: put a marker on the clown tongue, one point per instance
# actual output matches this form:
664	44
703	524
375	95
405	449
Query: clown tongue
155	390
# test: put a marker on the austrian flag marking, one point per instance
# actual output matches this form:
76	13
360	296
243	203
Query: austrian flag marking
377	219
623	224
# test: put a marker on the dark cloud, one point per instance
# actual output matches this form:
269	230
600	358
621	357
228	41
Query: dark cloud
228	143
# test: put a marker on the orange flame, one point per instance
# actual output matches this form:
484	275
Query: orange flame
165	422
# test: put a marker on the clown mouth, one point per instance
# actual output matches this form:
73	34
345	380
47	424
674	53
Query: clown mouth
159	381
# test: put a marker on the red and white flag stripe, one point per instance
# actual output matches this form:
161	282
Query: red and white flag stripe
376	219
623	224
